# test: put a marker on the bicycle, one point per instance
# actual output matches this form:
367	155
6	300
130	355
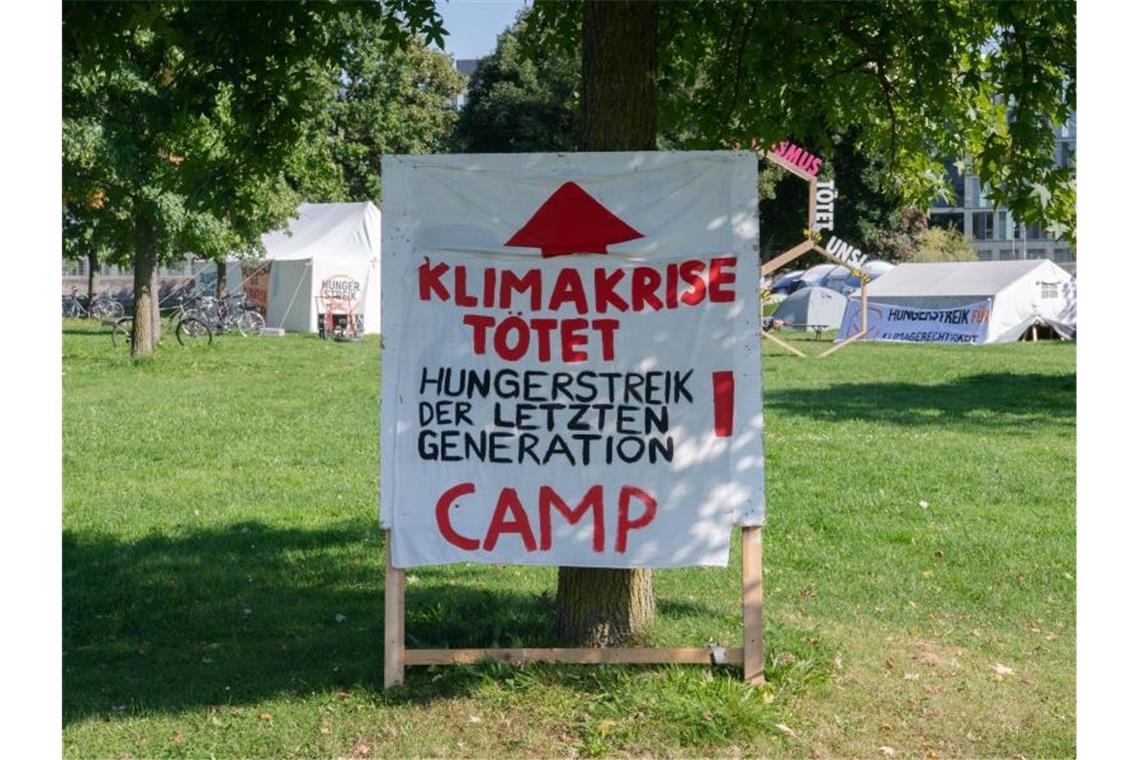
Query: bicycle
101	307
189	331
235	313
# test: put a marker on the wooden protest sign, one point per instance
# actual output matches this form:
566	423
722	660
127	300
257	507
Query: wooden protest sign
571	373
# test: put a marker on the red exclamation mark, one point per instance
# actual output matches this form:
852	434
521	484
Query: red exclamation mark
724	401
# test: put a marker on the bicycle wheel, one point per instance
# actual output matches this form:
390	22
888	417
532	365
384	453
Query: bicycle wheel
250	323
192	330
121	332
114	310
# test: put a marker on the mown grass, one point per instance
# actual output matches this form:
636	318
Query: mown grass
222	579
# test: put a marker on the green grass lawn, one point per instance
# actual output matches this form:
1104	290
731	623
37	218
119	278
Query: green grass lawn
223	570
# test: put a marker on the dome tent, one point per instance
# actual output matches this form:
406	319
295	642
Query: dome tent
812	307
325	242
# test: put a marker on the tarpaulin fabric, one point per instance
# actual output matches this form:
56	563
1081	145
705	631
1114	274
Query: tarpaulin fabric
571	361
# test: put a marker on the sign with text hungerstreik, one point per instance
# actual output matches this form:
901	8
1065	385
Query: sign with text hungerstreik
571	361
915	324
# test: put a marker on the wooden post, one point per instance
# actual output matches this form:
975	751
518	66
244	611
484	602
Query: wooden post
393	620
752	599
786	346
813	186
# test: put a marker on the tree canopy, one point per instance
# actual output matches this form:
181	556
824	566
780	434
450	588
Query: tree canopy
205	117
389	100
522	98
984	82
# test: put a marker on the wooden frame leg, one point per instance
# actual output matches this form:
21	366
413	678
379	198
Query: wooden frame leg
393	619
752	599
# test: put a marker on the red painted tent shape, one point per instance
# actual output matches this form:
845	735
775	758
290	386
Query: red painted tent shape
571	221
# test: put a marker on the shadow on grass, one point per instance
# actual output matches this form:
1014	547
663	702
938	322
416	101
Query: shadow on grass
251	612
993	399
241	614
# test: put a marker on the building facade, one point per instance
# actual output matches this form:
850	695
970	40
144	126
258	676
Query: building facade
992	230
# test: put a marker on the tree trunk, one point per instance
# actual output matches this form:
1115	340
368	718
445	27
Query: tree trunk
603	607
222	288
144	332
92	276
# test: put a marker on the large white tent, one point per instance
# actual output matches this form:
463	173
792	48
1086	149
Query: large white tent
326	242
1008	297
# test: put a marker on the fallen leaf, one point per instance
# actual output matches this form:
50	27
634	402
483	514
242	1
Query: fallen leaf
361	749
928	574
1002	670
910	676
265	717
785	729
177	738
888	751
933	755
939	554
924	504
928	658
474	719
340	618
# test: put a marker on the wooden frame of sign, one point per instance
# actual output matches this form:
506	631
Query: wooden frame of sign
397	656
809	244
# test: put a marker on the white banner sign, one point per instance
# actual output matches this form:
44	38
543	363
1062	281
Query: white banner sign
912	324
571	362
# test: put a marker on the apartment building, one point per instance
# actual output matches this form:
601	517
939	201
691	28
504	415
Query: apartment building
992	230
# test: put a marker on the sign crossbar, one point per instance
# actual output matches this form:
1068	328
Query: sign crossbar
397	657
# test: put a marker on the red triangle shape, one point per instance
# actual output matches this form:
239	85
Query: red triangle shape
571	221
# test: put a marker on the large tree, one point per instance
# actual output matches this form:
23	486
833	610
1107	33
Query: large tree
595	606
914	83
194	123
389	100
522	98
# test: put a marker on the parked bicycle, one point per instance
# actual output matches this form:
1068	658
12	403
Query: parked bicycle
234	313
189	330
101	307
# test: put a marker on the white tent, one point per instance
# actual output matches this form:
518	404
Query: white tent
1009	296
326	242
812	307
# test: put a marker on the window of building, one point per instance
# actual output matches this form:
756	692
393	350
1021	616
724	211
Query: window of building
948	221
1066	152
1063	256
985	255
1004	222
1050	289
973	192
1006	254
1035	253
983	225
